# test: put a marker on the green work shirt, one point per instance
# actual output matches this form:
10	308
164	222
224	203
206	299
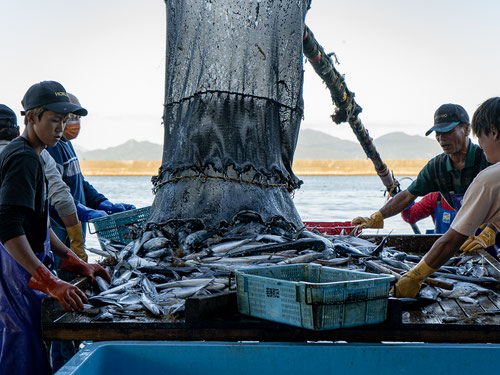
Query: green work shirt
440	175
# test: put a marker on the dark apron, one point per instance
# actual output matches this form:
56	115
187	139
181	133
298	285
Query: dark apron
22	350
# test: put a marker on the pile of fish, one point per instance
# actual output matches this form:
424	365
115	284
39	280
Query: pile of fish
152	276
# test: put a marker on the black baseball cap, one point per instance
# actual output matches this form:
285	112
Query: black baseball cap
447	117
52	96
8	118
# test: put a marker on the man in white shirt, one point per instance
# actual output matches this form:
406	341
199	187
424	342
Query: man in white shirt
481	205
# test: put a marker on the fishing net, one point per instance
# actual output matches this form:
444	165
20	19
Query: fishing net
233	106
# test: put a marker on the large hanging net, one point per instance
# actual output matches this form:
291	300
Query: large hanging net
233	106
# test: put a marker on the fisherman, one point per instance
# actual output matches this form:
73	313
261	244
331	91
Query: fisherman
90	204
432	205
58	192
481	205
449	173
26	239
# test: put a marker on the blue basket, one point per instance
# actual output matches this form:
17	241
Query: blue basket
119	227
312	296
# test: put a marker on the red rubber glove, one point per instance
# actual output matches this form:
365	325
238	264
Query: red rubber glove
69	296
74	264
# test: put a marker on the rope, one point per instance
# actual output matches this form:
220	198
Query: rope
205	177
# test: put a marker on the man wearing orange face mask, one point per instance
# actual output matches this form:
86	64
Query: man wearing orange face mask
90	204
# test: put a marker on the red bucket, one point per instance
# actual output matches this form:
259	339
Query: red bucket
332	227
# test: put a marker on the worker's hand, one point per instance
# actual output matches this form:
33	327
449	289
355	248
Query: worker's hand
74	264
69	296
409	284
483	240
112	208
85	213
128	207
376	220
75	235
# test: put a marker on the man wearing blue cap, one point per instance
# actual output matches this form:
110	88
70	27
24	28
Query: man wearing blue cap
26	239
449	173
481	205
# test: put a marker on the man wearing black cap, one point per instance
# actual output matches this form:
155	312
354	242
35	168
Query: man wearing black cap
26	239
59	193
450	173
8	126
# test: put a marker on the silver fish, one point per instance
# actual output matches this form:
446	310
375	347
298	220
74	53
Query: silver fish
137	262
227	246
307	234
464	289
180	292
184	283
156	243
150	305
126	252
129	299
105	316
148	287
123	278
101	283
307	258
159	253
121	288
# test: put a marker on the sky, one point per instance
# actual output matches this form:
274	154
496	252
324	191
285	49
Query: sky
402	58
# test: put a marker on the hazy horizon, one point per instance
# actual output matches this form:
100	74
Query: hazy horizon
402	59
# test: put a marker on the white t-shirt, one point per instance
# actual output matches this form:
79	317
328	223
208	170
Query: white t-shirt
481	203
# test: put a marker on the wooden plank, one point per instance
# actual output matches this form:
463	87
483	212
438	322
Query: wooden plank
258	330
453	313
430	314
410	243
219	306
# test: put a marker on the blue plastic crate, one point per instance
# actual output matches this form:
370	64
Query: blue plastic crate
312	296
225	358
118	227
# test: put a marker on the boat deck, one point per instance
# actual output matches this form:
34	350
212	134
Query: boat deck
215	318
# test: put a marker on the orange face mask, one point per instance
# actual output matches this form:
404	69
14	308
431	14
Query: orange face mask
72	129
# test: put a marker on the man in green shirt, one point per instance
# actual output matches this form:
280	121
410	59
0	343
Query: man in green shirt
450	173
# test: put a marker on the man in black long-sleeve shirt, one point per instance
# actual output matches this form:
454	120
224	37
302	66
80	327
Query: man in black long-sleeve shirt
26	239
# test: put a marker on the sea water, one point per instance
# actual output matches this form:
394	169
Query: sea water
320	198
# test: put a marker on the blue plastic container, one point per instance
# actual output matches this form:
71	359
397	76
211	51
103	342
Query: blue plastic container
118	227
222	358
312	296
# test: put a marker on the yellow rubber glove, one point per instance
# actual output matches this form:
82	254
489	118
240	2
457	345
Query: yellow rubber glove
483	240
409	284
376	220
75	235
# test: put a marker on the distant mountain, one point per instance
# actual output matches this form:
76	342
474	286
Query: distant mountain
316	145
312	145
400	145
130	150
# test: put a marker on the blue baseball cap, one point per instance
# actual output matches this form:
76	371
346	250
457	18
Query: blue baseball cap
52	96
447	117
8	118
